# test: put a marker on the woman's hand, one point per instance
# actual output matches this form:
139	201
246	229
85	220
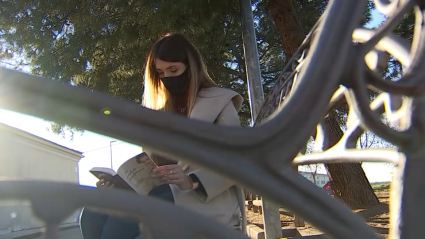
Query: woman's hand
173	174
103	182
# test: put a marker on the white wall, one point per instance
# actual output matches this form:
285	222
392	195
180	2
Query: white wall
321	179
25	156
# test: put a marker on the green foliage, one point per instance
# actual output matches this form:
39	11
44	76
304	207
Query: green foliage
103	45
381	187
406	26
310	11
64	130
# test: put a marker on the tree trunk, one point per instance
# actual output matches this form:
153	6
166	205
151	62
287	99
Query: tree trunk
349	181
288	25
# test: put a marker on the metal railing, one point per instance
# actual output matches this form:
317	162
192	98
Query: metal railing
331	67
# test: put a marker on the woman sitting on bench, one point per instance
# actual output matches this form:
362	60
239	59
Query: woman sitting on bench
176	81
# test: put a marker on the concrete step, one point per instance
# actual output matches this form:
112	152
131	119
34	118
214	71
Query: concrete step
36	232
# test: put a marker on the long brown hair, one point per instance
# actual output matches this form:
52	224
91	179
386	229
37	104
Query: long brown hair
174	48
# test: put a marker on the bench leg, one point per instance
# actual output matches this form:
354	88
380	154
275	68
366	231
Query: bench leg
299	222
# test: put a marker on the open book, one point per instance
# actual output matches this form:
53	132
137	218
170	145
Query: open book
134	174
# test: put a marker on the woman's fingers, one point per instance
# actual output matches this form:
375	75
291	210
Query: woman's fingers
167	170
174	177
177	181
102	183
171	174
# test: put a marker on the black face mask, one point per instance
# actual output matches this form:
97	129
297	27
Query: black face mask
177	85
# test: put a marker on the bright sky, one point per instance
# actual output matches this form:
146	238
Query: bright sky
94	146
97	151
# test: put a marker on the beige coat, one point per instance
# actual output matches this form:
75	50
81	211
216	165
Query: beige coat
224	201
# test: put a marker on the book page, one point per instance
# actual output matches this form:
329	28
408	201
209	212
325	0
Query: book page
96	171
136	172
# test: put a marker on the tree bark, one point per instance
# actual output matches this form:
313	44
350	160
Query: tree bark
349	181
288	25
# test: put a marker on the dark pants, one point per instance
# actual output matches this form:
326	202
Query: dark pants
95	225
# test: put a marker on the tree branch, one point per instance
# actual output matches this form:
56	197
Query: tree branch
238	74
265	52
271	72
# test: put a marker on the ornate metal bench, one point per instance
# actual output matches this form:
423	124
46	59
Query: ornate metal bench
260	157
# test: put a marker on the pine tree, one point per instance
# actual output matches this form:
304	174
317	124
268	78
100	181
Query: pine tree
349	182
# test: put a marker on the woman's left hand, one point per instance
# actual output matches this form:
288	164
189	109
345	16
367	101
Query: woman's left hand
173	174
